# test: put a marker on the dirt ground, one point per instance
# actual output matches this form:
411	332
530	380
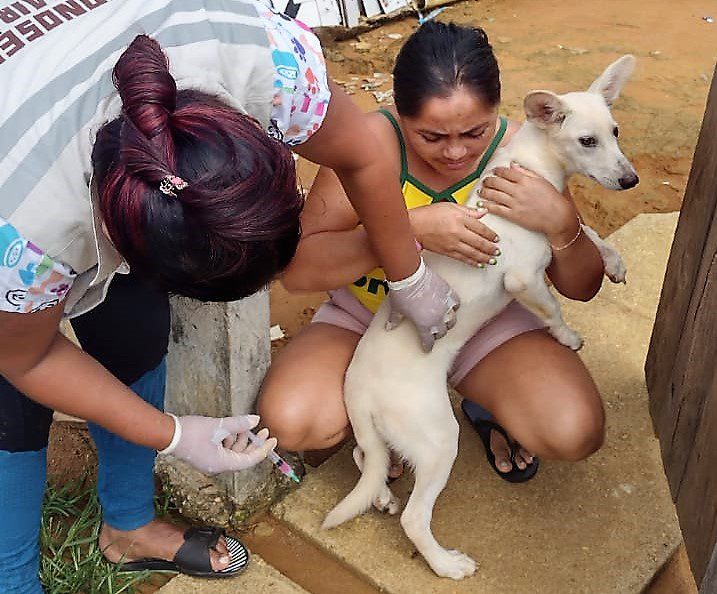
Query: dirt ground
559	46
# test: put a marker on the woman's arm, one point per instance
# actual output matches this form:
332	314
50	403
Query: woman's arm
48	368
334	249
51	370
529	200
346	143
576	271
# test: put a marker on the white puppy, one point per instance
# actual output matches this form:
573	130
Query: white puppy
396	394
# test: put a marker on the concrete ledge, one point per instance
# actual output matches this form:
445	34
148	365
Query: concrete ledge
259	578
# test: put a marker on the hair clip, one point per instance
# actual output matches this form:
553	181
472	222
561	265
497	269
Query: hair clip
171	184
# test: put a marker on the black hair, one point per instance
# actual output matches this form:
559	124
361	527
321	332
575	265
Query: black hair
440	57
235	223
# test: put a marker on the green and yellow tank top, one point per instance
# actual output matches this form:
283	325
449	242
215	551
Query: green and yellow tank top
371	289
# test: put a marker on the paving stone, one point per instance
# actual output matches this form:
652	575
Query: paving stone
644	244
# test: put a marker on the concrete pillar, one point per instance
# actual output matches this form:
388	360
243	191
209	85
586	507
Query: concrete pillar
218	355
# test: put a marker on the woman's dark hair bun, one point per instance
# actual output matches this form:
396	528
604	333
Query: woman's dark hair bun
147	89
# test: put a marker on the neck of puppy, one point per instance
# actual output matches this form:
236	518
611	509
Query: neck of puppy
530	147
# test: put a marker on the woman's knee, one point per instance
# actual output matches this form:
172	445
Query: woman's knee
301	400
575	433
286	419
299	423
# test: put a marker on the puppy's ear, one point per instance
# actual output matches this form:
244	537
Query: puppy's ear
610	83
544	108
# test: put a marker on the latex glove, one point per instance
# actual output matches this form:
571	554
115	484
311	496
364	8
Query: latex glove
427	300
214	445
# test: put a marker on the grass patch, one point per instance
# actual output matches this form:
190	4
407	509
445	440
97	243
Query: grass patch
71	560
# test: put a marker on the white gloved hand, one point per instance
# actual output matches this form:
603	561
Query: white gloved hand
214	445
427	300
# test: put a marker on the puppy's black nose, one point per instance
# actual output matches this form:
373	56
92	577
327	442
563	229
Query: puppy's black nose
628	181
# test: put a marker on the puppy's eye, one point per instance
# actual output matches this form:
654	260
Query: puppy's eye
588	141
615	132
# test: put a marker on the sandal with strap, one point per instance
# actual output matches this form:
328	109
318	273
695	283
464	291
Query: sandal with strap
483	427
193	559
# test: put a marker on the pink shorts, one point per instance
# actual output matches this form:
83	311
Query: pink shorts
345	311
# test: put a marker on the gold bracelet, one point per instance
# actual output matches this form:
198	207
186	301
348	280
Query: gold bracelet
572	241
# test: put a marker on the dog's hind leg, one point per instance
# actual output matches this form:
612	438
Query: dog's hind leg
385	501
532	292
433	464
374	468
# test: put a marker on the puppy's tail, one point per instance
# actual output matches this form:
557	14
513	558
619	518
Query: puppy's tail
373	474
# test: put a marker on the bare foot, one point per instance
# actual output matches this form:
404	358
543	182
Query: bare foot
158	540
501	451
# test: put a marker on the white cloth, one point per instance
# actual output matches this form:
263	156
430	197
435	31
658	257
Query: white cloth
302	89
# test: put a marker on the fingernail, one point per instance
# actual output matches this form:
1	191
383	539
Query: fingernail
480	204
480	211
224	559
496	239
492	261
253	418
481	265
497	252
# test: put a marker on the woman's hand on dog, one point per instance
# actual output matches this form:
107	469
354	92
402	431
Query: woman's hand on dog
528	200
455	230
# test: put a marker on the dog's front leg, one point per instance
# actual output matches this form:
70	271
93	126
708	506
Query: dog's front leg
532	292
615	268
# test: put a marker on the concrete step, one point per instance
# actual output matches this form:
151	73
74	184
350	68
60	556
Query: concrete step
602	526
259	578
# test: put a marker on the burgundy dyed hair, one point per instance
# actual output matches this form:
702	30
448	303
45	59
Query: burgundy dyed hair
234	227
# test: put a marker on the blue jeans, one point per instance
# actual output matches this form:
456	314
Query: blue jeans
125	473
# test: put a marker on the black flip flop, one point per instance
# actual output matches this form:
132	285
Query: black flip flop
192	558
483	427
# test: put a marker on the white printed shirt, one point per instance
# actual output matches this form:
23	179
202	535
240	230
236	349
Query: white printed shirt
302	90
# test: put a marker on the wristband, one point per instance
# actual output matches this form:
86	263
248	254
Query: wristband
175	438
407	282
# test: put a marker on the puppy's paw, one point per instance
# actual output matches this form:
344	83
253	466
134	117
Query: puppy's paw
615	268
387	502
567	337
452	564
